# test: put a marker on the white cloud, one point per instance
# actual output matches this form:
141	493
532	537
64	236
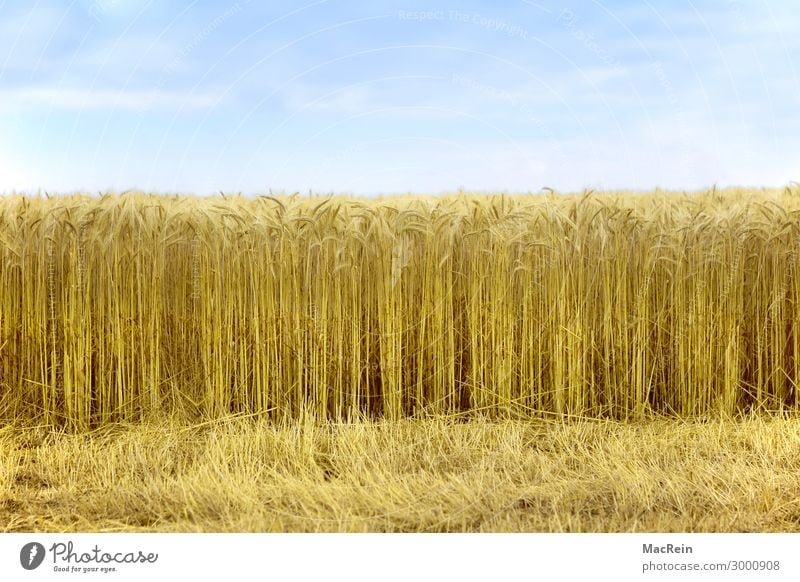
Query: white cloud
345	100
132	100
349	100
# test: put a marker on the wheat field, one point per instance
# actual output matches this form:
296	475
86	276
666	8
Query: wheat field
604	306
311	334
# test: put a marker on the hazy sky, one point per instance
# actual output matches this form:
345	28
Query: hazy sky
368	97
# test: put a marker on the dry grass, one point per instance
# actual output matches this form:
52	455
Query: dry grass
419	476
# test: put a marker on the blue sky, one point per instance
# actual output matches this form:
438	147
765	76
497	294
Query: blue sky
390	97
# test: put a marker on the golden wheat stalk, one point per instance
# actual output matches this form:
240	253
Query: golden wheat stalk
126	306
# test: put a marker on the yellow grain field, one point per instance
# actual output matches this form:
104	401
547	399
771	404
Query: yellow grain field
499	359
604	306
